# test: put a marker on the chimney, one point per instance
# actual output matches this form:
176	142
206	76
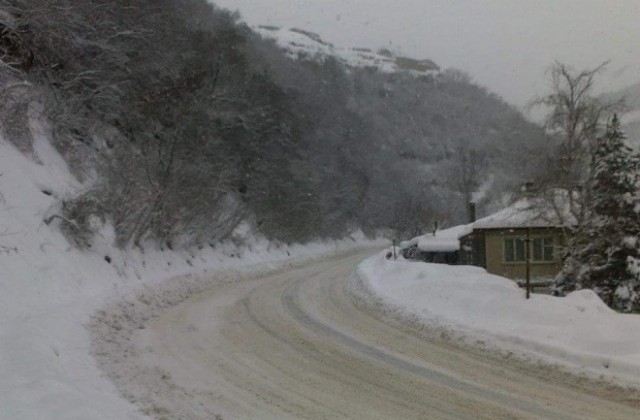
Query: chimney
472	212
528	188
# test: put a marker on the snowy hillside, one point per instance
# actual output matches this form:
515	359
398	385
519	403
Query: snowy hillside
299	43
49	291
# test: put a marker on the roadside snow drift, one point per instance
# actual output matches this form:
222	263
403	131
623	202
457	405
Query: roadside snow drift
578	331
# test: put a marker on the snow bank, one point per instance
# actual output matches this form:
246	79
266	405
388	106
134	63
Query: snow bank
578	331
49	291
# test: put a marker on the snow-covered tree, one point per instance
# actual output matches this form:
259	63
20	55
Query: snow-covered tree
604	252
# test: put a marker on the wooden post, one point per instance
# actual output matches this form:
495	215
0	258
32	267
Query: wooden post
527	250
395	256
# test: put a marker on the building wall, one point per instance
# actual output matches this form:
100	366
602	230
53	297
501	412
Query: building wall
472	249
442	257
495	259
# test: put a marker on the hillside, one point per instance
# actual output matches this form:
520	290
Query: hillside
301	44
183	123
50	290
426	120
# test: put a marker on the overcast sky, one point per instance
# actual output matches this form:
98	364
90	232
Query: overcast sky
506	45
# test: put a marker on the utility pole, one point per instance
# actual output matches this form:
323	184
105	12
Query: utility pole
527	250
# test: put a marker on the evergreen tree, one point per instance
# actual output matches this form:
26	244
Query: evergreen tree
604	252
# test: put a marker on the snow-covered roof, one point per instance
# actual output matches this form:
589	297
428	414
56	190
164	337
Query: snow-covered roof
529	212
445	240
538	212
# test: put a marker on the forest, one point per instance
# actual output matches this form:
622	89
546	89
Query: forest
183	124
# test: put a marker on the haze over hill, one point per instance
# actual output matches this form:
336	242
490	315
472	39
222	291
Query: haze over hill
507	46
184	135
301	44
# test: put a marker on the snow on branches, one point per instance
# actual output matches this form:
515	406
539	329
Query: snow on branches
604	252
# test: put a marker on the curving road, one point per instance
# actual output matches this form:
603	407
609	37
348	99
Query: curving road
297	345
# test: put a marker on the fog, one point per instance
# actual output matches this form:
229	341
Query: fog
505	45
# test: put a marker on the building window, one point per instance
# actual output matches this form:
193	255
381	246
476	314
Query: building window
514	250
543	249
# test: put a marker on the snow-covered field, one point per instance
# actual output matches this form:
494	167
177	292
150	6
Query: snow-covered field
49	291
579	331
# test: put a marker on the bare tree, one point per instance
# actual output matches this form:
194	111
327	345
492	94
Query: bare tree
575	120
575	116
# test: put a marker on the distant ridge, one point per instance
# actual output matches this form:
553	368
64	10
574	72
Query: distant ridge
300	43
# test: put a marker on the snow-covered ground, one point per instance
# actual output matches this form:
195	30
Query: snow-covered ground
301	43
578	331
49	290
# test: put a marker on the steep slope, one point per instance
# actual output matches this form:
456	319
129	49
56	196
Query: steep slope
408	129
49	290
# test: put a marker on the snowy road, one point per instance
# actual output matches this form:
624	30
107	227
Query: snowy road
296	345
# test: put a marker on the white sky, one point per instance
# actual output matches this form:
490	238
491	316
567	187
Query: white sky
506	45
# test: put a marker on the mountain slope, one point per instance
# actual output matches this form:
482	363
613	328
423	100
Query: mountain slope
49	290
299	43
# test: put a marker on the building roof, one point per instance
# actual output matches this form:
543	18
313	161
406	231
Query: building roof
536	212
445	240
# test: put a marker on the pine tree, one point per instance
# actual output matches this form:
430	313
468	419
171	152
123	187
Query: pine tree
604	252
